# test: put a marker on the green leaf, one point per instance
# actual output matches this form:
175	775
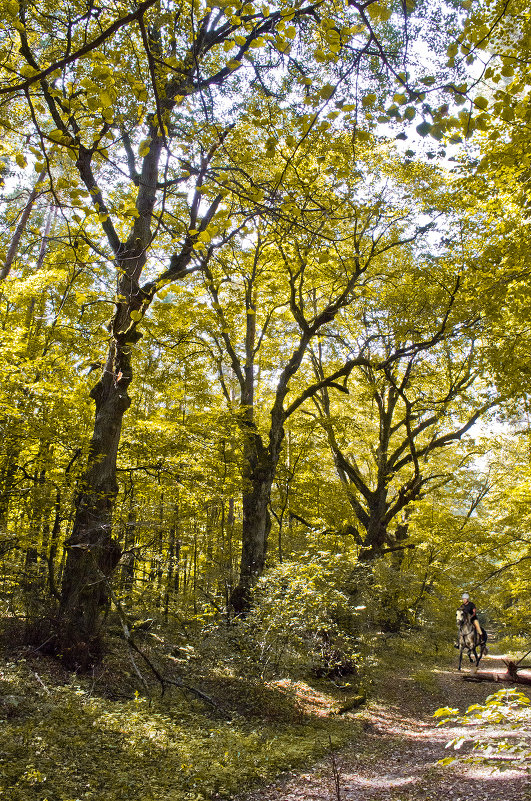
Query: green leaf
481	102
445	710
368	100
424	128
327	91
446	761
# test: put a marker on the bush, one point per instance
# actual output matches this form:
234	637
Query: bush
303	621
494	729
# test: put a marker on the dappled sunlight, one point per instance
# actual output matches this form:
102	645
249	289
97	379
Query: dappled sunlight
309	699
384	782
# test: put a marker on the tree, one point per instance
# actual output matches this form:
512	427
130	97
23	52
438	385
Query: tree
182	62
394	423
149	164
335	250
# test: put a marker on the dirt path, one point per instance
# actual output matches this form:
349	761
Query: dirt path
397	760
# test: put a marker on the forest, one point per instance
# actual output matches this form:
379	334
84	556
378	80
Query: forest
266	344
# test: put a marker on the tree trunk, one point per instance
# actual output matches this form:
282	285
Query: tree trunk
511	675
53	541
127	578
7	479
92	553
21	227
172	576
376	532
255	533
260	466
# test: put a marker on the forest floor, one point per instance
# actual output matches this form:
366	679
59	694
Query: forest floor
397	759
98	737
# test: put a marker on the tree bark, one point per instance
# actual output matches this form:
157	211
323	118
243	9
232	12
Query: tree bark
92	552
256	525
260	465
511	675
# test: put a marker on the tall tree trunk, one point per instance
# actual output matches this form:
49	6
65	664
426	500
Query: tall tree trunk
229	555
53	541
21	227
127	577
376	532
255	532
172	576
92	552
7	479
260	467
14	442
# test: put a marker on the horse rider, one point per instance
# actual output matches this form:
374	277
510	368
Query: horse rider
470	608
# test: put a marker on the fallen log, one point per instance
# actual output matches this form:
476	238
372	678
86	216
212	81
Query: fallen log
350	703
511	675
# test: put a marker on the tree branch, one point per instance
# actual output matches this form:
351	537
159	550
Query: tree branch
77	54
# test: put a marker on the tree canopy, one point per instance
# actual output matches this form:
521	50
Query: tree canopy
263	299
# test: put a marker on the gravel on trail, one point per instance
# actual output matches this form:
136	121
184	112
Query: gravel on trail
396	757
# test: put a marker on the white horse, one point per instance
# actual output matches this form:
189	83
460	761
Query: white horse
469	639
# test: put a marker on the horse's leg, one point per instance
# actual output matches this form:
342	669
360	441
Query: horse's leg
460	657
478	643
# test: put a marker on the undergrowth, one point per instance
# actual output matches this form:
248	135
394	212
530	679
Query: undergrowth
60	742
497	730
65	737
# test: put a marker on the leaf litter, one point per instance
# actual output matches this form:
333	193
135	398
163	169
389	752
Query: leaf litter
398	757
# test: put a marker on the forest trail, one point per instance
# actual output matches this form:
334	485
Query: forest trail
396	759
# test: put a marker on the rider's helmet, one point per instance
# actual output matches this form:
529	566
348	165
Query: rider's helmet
465	596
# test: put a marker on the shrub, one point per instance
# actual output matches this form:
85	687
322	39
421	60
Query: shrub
494	729
303	620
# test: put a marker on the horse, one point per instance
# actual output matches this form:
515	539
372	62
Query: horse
469	639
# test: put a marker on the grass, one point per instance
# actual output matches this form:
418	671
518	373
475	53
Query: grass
60	741
512	645
65	737
426	679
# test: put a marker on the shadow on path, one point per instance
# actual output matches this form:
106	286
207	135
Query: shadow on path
397	758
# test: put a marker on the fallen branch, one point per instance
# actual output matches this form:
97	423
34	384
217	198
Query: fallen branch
510	675
163	680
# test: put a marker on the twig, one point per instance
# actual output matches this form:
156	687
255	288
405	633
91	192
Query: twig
86	48
41	682
336	774
163	681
